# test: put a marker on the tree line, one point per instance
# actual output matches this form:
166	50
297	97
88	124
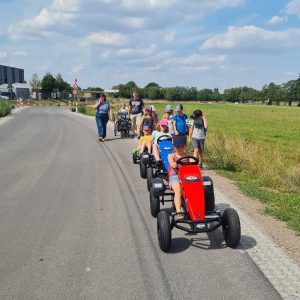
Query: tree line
50	85
270	93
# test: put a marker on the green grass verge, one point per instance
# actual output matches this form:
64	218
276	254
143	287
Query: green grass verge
285	207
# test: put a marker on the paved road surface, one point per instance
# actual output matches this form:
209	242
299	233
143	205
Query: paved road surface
75	223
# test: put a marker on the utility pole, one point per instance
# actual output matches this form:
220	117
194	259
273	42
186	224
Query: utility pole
9	87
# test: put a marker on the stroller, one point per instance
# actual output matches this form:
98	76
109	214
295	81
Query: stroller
122	124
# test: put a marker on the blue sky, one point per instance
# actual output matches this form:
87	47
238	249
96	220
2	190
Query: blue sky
202	43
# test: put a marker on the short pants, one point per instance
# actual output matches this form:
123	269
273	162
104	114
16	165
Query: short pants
173	179
136	119
198	143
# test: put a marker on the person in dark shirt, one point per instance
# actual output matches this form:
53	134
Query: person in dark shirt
135	112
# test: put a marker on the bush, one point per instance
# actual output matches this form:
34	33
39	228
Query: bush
4	108
82	108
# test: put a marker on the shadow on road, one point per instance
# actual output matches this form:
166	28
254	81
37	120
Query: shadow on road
247	242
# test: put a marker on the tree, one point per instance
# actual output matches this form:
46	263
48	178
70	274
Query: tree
98	88
48	85
216	95
151	84
272	92
232	95
204	94
35	83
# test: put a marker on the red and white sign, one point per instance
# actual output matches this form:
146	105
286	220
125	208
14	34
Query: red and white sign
74	91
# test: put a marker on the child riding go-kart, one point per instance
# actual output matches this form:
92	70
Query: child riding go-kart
122	124
145	146
160	167
161	147
198	204
194	200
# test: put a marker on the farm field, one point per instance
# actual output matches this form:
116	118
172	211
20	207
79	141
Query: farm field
257	146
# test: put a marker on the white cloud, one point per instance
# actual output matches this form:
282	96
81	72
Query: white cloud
170	36
104	38
148	3
13	53
20	53
253	38
197	58
196	69
77	69
293	8
134	22
217	4
45	66
137	51
3	54
61	12
277	20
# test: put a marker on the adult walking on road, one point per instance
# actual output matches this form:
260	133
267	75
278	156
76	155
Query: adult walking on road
103	113
135	113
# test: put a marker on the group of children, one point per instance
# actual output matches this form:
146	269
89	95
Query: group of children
177	126
181	130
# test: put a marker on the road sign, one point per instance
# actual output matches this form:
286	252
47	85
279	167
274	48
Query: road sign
74	91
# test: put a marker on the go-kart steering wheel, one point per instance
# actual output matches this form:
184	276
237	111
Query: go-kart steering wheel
164	137
187	163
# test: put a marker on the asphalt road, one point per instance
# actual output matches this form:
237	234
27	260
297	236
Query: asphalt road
75	223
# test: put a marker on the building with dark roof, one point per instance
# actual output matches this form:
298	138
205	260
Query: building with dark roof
11	75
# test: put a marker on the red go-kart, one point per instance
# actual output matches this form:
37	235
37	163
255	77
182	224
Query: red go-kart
196	217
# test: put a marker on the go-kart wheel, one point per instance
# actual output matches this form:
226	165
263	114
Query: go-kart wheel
154	204
134	157
150	175
231	227
143	169
164	231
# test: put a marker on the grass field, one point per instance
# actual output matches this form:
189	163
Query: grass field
257	146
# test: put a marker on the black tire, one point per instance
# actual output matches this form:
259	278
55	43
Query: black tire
149	175
154	204
134	158
164	231
209	195
231	227
143	169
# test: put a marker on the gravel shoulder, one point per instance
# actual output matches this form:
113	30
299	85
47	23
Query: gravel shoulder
276	229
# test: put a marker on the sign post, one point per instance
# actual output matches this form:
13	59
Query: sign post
74	92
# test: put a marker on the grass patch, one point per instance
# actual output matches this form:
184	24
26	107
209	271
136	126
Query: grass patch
285	207
5	108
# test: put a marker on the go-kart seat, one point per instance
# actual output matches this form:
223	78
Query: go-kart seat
165	148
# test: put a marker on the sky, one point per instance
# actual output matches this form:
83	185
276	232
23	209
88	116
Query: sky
201	43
